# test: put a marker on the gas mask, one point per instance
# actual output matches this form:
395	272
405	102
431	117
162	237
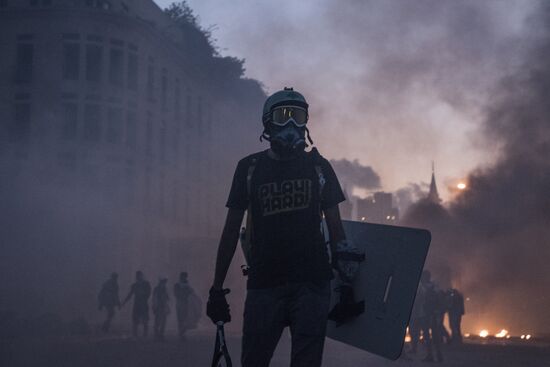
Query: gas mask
287	130
287	141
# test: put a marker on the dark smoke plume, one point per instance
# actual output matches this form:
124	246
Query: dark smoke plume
353	173
494	239
413	192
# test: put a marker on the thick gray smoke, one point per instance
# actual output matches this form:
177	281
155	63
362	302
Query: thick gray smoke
408	195
496	235
354	174
392	83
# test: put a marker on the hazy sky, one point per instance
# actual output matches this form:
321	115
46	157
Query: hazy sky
394	84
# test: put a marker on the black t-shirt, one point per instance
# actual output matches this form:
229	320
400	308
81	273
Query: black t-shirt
285	204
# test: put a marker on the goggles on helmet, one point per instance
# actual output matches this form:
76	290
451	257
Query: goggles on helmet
282	115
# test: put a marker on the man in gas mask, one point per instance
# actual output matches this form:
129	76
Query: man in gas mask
285	191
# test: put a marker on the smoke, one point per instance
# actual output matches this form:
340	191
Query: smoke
394	84
496	235
406	196
354	174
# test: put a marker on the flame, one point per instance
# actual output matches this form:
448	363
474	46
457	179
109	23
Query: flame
467	335
501	334
408	339
484	333
461	186
527	337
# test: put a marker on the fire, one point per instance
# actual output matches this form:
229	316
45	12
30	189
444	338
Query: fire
527	337
484	333
502	334
461	186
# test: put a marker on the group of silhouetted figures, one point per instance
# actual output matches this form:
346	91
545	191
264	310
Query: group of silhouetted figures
188	306
429	311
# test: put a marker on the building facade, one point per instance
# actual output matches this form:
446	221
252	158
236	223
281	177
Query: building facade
377	208
118	139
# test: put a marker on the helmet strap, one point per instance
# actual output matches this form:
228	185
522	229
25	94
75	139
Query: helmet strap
309	137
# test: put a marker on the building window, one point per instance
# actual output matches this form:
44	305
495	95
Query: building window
24	61
131	129
132	71
94	62
164	88
149	135
200	128
151	81
20	129
209	120
177	101
177	143
92	123
176	200
148	189
116	66
188	111
130	187
113	130
70	121
161	193
71	58
162	142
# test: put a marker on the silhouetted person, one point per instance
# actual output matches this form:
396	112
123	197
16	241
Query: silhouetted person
108	298
441	310
160	308
456	311
431	329
141	291
182	292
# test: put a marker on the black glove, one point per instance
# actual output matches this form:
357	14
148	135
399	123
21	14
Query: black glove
346	309
217	307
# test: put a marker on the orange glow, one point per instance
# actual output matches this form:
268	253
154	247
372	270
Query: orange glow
461	186
502	334
527	337
484	333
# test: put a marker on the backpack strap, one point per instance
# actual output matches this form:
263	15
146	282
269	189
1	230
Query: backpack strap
249	175
318	170
246	237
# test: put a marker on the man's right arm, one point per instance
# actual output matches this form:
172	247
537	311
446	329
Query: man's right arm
227	246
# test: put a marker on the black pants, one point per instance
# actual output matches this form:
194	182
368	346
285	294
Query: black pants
110	314
302	306
454	322
431	340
